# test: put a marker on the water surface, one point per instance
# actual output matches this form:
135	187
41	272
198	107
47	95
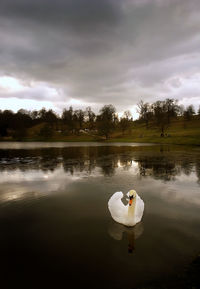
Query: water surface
56	230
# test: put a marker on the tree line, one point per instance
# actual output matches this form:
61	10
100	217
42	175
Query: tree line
73	122
160	113
70	122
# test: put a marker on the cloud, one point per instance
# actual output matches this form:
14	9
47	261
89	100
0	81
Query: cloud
98	52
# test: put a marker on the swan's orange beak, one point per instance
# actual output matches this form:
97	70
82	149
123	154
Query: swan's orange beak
130	201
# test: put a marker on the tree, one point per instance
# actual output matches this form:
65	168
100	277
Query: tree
145	112
3	128
80	115
76	125
199	111
67	118
127	114
160	115
181	110
125	121
171	108
90	115
189	112
42	114
34	114
50	117
22	121
105	120
20	133
46	131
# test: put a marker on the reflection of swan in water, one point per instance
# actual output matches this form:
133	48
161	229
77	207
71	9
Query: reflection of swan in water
116	231
130	214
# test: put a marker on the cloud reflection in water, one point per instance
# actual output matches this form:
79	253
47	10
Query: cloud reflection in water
40	172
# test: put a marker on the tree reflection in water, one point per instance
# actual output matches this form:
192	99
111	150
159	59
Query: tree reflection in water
159	163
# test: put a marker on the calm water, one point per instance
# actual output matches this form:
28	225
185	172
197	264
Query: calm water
56	230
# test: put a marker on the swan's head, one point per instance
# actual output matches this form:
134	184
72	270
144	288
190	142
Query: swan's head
132	195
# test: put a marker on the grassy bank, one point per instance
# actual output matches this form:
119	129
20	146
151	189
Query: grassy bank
179	132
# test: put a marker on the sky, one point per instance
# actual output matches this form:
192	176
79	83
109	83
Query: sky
54	54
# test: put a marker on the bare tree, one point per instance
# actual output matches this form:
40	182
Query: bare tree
171	108
125	121
145	112
90	117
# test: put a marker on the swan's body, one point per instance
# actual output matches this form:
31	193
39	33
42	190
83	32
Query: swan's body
130	214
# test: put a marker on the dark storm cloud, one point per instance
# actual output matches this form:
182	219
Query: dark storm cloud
102	51
80	15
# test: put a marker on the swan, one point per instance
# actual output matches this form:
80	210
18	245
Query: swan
130	214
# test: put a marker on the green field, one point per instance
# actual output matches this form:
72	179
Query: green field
178	132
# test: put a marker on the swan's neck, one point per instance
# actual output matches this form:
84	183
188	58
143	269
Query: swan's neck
131	209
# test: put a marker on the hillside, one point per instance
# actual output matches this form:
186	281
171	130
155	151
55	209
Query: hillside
179	132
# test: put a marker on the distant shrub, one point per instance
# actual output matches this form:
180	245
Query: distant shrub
46	131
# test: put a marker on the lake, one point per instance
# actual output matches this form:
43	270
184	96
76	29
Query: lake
56	230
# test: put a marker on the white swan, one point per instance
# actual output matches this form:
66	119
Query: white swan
130	214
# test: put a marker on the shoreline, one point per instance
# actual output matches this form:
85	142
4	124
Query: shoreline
109	141
168	141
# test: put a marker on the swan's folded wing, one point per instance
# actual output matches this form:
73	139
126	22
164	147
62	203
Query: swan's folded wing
139	209
116	207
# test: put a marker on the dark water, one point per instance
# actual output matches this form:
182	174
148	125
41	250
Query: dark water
56	230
